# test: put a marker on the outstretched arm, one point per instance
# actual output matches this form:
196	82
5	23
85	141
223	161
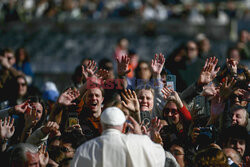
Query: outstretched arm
65	99
170	94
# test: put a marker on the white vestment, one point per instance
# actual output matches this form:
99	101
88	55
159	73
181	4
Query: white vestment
114	149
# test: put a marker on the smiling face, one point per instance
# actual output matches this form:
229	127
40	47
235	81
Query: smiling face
239	117
22	86
94	100
171	112
237	144
39	110
146	100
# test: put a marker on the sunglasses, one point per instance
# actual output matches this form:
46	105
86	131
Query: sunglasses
168	110
9	58
22	84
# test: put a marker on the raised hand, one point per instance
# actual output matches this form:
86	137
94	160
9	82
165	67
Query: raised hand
90	70
170	94
21	108
102	74
50	127
232	65
67	97
43	156
7	128
208	72
122	65
154	130
4	62
243	93
75	127
210	90
30	118
157	64
134	126
130	101
227	88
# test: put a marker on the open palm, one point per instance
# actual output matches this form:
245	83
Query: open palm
158	63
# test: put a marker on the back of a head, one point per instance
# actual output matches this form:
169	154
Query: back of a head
18	155
210	157
112	117
74	137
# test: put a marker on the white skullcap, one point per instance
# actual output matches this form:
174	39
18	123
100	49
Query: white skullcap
113	116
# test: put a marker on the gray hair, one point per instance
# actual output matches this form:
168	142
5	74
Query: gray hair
18	154
238	107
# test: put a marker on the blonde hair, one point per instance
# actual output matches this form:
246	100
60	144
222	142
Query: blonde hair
210	157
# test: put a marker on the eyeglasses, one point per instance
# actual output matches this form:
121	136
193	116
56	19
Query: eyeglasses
65	149
177	152
22	84
168	110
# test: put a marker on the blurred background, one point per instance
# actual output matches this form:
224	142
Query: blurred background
58	34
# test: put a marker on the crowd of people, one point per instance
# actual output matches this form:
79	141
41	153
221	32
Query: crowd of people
126	111
195	12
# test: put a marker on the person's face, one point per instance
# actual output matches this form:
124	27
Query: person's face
32	160
192	50
144	71
21	55
244	36
235	55
171	112
178	153
39	110
11	58
22	86
146	100
94	100
124	43
239	117
67	149
164	79
237	144
205	45
109	67
231	153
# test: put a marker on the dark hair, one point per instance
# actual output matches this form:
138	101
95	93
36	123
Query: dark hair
229	50
74	137
138	67
17	55
102	63
235	131
37	99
